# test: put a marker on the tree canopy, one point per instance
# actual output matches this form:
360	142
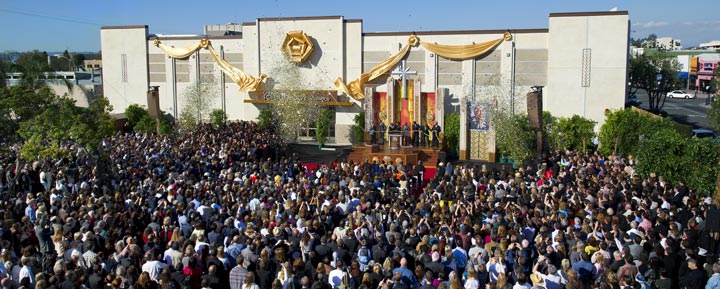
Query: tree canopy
656	74
46	124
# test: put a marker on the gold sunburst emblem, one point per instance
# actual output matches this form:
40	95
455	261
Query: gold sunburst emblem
298	46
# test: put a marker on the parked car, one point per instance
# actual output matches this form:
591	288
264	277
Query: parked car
679	94
704	133
632	101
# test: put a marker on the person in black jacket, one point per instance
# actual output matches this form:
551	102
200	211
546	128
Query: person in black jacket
264	276
694	278
96	279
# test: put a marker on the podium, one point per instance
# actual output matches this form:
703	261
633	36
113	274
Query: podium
394	140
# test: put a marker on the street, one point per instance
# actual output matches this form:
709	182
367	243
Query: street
686	111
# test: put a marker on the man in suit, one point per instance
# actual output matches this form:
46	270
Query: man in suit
381	132
436	135
425	133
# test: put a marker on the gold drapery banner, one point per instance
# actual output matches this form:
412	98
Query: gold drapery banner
454	52
463	52
355	87
245	81
181	52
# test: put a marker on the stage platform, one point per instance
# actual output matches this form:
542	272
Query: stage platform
407	154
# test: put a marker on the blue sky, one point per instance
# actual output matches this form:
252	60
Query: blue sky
75	25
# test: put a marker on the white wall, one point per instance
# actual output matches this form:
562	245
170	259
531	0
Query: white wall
324	64
606	35
131	42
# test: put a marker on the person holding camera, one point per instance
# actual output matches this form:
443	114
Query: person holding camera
552	279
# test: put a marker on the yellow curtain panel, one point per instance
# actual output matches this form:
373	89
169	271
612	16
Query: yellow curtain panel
181	52
461	52
355	87
454	52
245	81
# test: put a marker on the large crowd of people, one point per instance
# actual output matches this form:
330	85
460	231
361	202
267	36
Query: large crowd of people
229	208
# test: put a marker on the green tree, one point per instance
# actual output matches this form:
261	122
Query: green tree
666	153
358	127
702	163
33	65
576	132
451	139
218	117
551	132
138	118
134	114
21	103
322	125
662	153
265	119
149	125
648	41
644	71
514	137
714	110
5	67
63	122
621	131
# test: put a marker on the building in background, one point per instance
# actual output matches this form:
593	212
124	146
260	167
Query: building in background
668	43
223	29
706	65
715	44
82	86
92	64
581	60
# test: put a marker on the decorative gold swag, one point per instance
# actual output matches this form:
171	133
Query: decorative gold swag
454	52
245	81
354	89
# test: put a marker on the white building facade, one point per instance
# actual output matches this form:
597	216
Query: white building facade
581	60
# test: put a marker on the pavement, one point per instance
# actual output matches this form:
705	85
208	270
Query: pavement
691	111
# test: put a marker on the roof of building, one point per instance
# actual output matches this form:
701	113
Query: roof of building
710	57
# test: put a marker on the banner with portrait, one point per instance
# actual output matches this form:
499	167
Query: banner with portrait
478	116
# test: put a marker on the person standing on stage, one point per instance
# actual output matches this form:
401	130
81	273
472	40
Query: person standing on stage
405	134
415	134
382	133
436	135
425	134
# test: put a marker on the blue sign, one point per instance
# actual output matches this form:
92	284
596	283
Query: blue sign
659	76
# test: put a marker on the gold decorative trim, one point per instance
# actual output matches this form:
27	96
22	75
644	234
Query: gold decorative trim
507	36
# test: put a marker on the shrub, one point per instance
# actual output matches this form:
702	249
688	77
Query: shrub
218	117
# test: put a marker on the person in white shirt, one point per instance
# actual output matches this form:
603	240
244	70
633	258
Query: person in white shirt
153	267
337	275
522	282
26	272
172	255
201	242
